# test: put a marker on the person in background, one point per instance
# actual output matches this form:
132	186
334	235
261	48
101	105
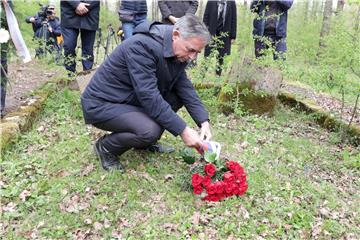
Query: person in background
138	89
131	14
79	17
53	30
171	11
4	51
270	26
223	27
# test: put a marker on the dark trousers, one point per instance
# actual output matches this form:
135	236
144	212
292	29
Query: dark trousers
270	41
4	79
221	49
70	36
133	129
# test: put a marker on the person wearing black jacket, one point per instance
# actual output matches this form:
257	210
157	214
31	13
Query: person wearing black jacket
220	17
79	17
171	11
137	90
131	14
270	25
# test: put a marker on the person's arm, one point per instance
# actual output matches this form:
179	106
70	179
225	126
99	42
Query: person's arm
56	29
193	7
74	4
93	4
164	9
141	64
285	4
185	90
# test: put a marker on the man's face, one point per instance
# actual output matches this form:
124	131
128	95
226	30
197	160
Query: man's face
187	49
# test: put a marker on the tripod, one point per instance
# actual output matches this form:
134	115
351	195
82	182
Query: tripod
111	38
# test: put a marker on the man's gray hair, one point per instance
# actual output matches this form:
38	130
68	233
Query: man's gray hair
191	26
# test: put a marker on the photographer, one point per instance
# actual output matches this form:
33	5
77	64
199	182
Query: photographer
46	28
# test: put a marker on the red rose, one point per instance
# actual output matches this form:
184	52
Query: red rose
211	189
243	188
210	169
196	179
197	189
228	187
228	177
219	187
232	165
241	179
206	181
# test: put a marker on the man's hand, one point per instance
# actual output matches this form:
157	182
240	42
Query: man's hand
205	131
82	9
32	19
50	29
191	138
173	19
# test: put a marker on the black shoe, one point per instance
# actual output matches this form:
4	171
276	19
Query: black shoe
160	148
108	160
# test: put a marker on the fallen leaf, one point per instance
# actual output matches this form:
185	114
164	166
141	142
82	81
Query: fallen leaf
195	218
24	194
169	177
98	226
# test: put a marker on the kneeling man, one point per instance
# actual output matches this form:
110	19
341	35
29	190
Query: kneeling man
138	89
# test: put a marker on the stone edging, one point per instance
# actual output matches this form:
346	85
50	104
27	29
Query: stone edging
323	117
23	117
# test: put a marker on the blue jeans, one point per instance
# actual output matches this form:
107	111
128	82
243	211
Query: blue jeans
128	27
70	36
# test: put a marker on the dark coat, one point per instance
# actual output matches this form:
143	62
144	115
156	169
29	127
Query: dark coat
176	9
89	21
138	6
210	19
54	23
258	6
138	76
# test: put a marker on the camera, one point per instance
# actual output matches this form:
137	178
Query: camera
45	11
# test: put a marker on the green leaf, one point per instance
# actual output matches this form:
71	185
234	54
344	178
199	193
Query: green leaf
210	157
188	155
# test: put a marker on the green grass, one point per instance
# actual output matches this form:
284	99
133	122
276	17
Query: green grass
301	178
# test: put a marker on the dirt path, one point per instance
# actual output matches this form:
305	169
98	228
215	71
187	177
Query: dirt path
25	78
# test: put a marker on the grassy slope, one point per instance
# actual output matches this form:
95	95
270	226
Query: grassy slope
302	183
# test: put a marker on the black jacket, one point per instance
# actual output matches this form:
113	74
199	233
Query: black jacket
89	21
210	19
259	7
176	8
138	6
139	75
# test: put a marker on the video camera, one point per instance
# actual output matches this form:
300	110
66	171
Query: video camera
44	11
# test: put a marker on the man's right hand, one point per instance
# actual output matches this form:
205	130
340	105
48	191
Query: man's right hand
82	9
191	138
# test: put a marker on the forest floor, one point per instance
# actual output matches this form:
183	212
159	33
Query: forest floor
303	182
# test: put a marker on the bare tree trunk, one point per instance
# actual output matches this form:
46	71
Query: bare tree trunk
315	9
357	21
200	9
325	29
340	6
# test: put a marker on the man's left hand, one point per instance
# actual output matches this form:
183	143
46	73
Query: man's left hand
205	131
